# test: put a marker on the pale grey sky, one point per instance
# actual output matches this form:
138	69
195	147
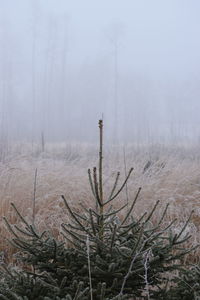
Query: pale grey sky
59	67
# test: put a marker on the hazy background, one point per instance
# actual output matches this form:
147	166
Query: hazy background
65	63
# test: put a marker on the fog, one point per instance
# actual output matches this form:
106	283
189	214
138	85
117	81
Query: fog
65	64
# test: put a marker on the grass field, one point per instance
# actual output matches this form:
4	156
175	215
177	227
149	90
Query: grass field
170	174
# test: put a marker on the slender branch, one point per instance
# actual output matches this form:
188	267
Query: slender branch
72	242
10	227
9	273
121	188
71	233
125	171
164	213
185	225
96	186
152	211
74	217
116	211
115	185
92	222
113	237
19	215
101	161
132	206
34	196
100	195
91	183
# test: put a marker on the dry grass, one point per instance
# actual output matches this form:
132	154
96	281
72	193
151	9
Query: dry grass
173	176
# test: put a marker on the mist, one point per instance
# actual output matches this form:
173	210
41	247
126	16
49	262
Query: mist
65	64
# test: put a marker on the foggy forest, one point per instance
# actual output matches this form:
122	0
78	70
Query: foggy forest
99	149
67	64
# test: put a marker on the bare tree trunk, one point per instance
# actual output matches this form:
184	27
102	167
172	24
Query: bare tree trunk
116	100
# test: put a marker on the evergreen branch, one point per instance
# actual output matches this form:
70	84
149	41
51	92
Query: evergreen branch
10	227
152	230
185	225
96	187
42	235
159	223
92	222
100	243
114	284
108	221
63	282
79	216
115	211
81	236
133	224
103	290
76	230
83	293
186	238
23	231
25	246
136	223
121	252
34	196
113	237
115	185
3	266
3	297
80	286
128	228
84	208
163	215
141	218
170	224
109	209
49	286
132	206
125	170
179	255
91	183
101	161
34	232
74	217
55	250
121	188
154	236
71	233
72	242
12	243
19	215
152	211
138	240
14	296
50	279
95	213
73	227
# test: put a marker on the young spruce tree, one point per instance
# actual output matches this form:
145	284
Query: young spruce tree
109	257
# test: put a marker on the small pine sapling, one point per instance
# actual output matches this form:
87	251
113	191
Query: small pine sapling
109	257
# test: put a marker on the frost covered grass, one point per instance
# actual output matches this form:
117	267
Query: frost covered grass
168	174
